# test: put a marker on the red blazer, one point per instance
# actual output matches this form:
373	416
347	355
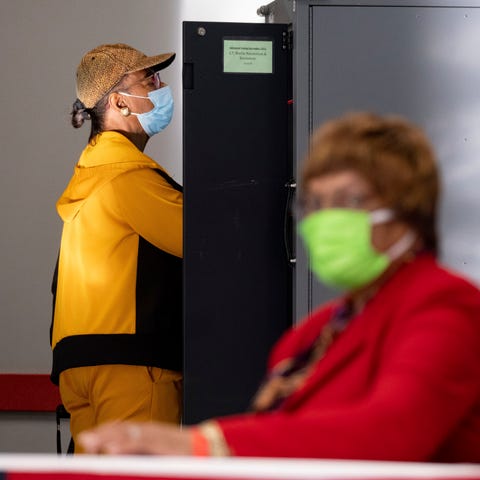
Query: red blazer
402	382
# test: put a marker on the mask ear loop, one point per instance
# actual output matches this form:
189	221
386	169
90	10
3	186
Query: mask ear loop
401	246
125	111
382	215
134	96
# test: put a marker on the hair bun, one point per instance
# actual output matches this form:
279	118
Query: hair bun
79	113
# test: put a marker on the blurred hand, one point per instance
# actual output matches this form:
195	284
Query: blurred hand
137	438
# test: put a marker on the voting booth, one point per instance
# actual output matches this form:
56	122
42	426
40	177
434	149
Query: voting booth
253	94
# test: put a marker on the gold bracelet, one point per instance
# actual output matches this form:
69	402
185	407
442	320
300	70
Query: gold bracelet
216	441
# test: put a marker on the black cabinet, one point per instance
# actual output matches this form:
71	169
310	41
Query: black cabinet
237	167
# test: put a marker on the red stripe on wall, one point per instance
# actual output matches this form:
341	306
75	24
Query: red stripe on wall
28	393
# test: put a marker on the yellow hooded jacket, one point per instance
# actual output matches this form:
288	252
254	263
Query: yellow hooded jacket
118	283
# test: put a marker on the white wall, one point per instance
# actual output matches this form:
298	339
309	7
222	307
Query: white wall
41	43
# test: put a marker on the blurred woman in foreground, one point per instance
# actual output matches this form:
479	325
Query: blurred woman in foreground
389	370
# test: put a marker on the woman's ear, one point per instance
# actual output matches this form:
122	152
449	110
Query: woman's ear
117	103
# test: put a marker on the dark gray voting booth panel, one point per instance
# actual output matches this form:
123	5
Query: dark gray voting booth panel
418	59
237	162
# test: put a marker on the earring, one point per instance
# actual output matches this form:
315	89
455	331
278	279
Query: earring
125	111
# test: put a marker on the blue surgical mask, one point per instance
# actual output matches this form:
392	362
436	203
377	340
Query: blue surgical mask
160	116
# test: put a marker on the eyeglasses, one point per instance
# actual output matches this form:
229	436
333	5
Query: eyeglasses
152	80
356	201
155	79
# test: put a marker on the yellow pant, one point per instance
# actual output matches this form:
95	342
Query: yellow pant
99	394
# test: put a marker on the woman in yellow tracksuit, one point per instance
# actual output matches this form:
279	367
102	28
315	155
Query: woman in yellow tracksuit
117	324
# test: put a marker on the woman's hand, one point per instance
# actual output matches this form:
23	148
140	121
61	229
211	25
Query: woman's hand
137	438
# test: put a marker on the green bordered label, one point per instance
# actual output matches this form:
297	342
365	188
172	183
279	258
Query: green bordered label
248	56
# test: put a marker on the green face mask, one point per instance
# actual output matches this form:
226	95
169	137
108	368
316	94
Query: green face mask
338	242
